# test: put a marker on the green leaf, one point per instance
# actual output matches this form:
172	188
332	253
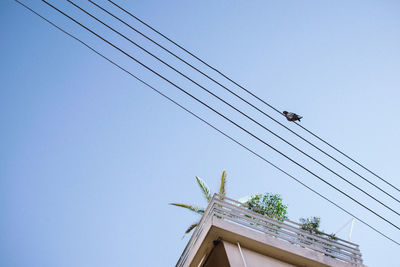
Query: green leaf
222	185
189	207
191	228
310	224
204	188
268	204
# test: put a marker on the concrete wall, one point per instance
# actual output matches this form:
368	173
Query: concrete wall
252	258
218	257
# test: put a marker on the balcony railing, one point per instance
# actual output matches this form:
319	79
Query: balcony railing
288	231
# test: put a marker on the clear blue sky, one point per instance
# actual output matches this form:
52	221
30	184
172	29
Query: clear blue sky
90	158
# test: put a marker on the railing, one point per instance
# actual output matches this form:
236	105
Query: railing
288	231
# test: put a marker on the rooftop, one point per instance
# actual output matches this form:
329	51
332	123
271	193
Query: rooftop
231	221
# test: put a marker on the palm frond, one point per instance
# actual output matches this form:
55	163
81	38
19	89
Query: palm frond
191	228
189	207
204	188
222	185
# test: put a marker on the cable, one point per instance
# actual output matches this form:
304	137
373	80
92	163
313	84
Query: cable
250	93
241	98
247	102
231	106
218	113
203	120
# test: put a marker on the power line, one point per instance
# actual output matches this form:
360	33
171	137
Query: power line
236	95
251	93
218	113
231	106
203	120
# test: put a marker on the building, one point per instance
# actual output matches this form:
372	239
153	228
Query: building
230	235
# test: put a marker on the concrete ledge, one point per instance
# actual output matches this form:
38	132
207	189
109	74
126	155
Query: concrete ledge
255	241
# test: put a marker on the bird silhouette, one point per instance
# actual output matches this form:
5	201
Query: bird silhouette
290	116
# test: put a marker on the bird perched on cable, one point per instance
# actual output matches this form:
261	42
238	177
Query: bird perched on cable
290	116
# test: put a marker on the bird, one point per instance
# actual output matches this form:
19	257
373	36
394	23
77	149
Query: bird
290	116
